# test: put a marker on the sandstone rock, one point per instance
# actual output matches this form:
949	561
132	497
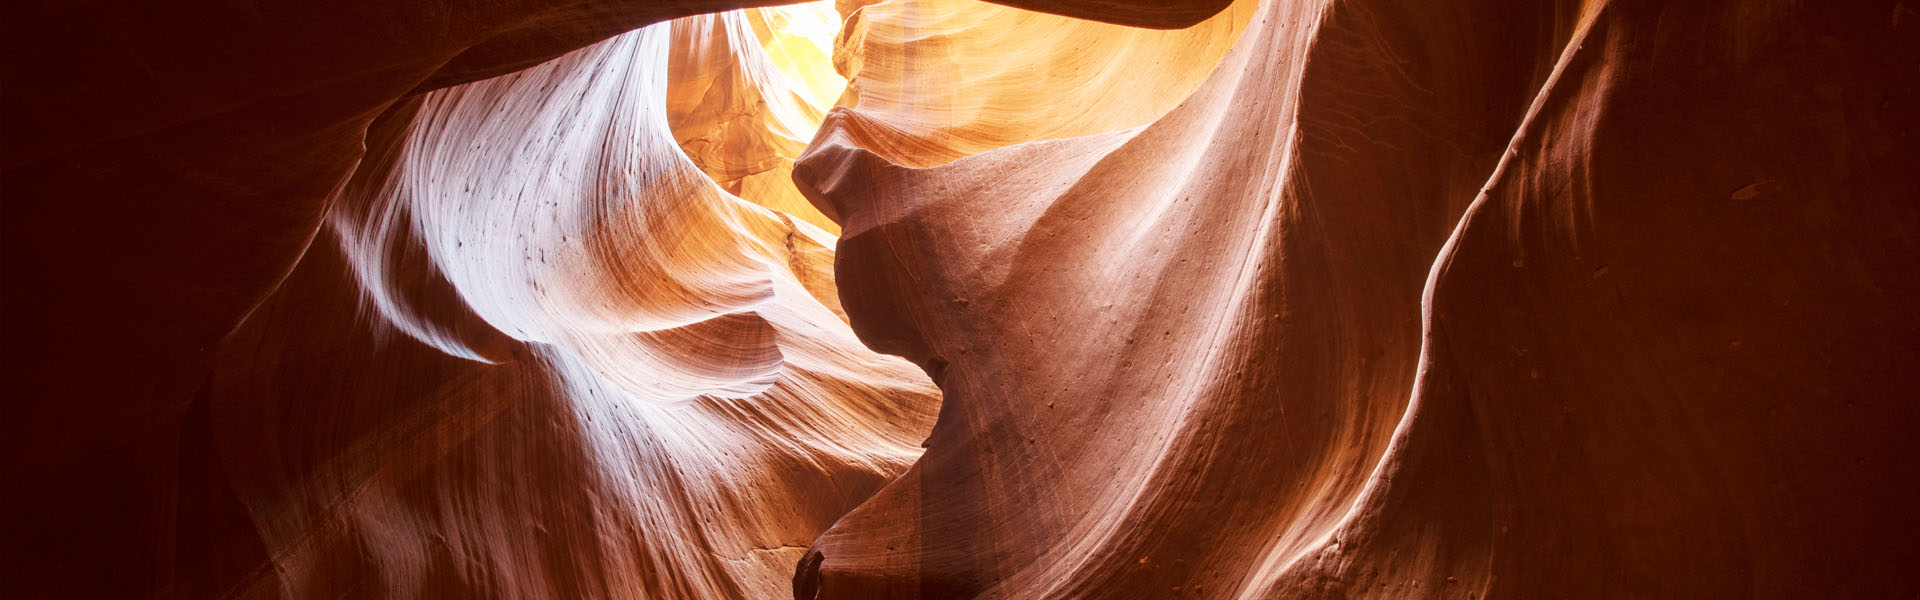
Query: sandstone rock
1255	299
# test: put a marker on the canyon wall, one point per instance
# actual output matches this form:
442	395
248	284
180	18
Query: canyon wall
1267	299
221	385
1502	299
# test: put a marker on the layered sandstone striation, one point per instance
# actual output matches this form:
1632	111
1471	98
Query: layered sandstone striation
1485	300
746	90
1063	299
935	80
543	391
245	358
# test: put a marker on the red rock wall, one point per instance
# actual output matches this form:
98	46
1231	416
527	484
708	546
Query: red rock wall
1502	299
166	168
1604	298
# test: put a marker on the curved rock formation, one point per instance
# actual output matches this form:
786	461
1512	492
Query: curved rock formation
668	401
935	80
1225	299
746	90
1492	300
165	169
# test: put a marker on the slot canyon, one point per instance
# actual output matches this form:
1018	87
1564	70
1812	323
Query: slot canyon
948	299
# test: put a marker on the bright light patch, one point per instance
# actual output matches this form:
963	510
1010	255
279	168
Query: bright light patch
800	43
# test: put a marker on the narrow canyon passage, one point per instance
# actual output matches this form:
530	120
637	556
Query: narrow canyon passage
954	299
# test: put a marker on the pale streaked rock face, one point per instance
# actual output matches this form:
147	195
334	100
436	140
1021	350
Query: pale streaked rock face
945	299
693	394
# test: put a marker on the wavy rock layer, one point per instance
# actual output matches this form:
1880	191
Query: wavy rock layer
381	408
746	90
1498	299
674	414
1309	299
935	80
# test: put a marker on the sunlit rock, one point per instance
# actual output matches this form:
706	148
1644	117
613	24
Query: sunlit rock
944	299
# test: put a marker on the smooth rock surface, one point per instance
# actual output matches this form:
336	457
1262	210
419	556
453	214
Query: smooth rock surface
1501	299
1222	299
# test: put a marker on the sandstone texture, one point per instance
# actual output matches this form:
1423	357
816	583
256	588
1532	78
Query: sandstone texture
947	299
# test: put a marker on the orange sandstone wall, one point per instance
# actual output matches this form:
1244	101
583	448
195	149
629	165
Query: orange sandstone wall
1270	300
1502	299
